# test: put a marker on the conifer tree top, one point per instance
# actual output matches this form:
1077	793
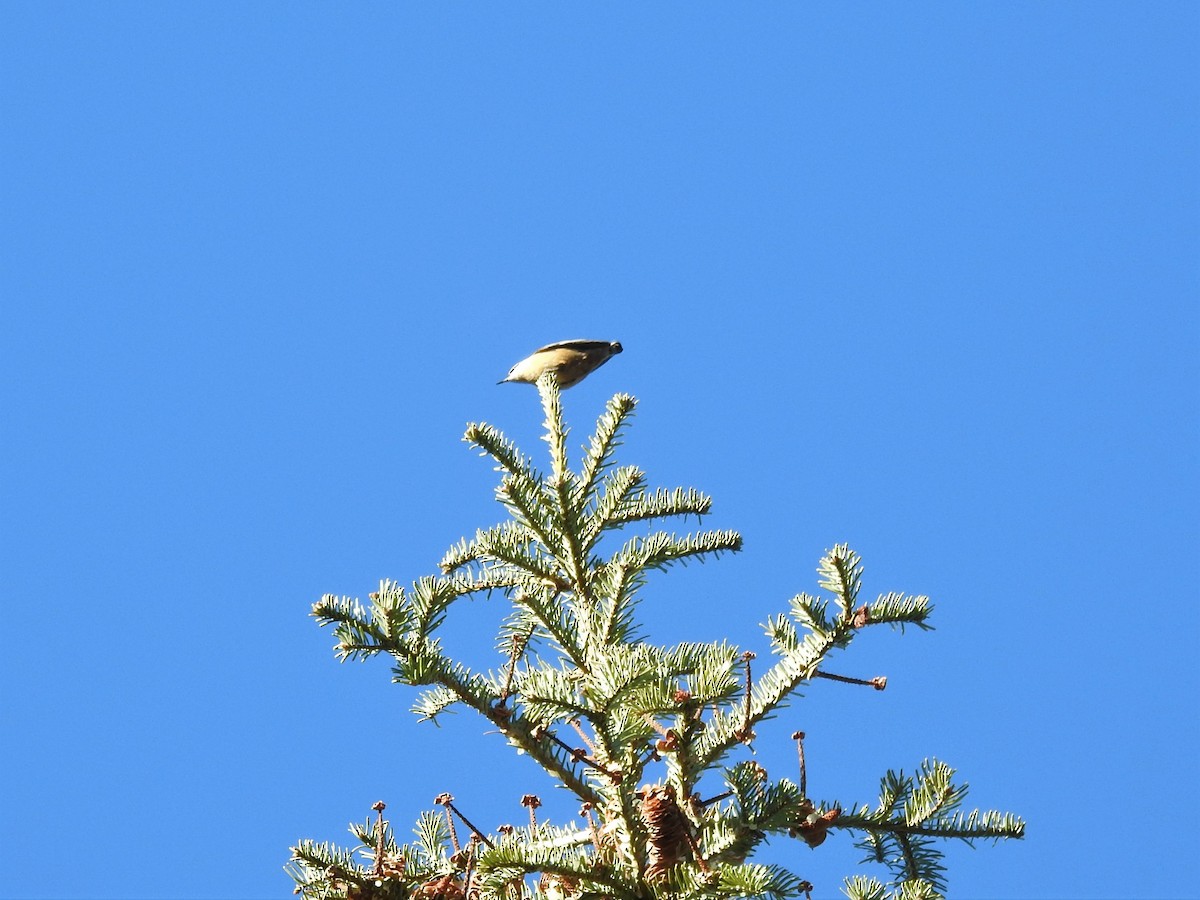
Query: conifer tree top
654	742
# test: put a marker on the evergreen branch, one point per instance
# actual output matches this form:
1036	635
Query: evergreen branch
727	842
901	609
579	754
604	441
463	553
556	430
511	460
658	550
762	806
425	664
732	880
797	665
497	576
622	684
975	825
509	544
934	793
513	859
575	561
811	613
619	670
431	703
519	625
475	551
325	872
621	802
711	670
616	585
420	661
549	694
863	887
521	733
358	637
625	737
556	619
915	810
718	738
429	600
757	880
991	825
711	680
660	504
522	490
393	613
528	505
433	836
782	633
917	889
618	487
840	572
563	483
860	887
645	680
327	856
922	861
379	846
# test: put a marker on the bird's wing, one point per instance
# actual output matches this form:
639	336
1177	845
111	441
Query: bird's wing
581	345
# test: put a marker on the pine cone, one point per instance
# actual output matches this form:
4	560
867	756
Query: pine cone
668	830
447	887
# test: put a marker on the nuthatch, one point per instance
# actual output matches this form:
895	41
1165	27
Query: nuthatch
571	361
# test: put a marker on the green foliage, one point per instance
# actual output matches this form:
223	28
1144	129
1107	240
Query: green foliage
915	810
573	663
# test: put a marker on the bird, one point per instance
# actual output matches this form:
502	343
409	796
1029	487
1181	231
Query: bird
571	361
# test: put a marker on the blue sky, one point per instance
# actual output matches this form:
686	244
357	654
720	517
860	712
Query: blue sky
921	278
